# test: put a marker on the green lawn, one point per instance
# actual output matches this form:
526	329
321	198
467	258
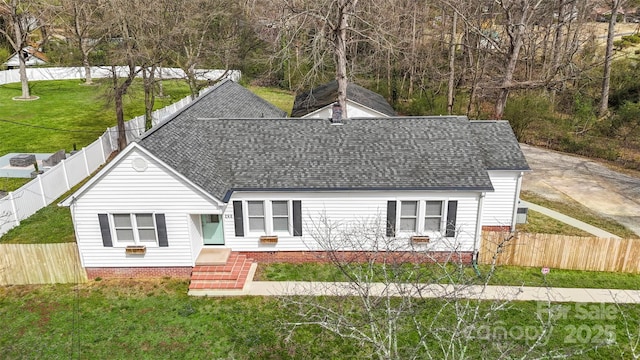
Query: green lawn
155	320
502	275
576	210
67	113
283	99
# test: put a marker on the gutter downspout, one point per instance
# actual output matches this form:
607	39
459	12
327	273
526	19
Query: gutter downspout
476	240
516	201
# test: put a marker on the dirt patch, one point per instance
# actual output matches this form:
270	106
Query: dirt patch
608	192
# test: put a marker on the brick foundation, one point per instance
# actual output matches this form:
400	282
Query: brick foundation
298	257
139	272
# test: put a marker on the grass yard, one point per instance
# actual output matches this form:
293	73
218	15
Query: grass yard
543	224
503	275
67	113
283	99
10	184
576	210
155	319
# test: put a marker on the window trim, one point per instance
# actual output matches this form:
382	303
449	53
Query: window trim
133	218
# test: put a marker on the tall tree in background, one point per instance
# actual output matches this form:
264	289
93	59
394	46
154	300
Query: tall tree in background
319	30
19	22
207	34
608	57
83	18
133	35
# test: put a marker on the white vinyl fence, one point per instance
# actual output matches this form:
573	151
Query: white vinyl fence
47	187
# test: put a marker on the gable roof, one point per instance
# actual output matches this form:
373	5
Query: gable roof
327	94
499	145
224	100
32	57
118	159
404	153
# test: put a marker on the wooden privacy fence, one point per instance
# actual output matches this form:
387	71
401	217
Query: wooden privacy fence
40	264
561	252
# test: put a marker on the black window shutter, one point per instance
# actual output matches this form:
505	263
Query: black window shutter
297	218
161	224
391	218
237	218
105	230
452	212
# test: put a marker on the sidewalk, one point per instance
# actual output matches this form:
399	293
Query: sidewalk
570	221
514	293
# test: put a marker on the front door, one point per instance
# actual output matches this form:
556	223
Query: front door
212	230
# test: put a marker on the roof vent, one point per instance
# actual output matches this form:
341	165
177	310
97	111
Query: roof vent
336	114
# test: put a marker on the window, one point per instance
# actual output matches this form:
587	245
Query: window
280	214
423	216
256	216
135	228
268	217
408	215
433	216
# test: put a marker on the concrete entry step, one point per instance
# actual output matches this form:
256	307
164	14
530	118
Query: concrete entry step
213	256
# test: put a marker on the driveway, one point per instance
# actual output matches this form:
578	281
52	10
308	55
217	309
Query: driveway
610	193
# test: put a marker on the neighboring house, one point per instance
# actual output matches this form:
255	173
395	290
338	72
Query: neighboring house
361	102
259	184
31	56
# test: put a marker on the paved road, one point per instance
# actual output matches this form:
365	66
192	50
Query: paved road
558	176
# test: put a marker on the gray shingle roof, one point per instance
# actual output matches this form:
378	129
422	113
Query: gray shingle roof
411	153
226	100
326	94
499	145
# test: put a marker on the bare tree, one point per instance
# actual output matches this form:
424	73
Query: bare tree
19	18
387	291
135	38
608	58
321	31
84	18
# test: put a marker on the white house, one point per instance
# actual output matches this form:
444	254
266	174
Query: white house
263	185
361	102
31	56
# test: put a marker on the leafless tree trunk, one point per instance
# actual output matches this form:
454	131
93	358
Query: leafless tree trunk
518	20
19	21
608	58
345	8
452	64
148	77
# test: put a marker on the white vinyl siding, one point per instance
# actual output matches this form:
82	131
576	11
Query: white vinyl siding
498	205
346	210
123	190
354	110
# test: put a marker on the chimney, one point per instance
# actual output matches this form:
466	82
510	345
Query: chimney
336	115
